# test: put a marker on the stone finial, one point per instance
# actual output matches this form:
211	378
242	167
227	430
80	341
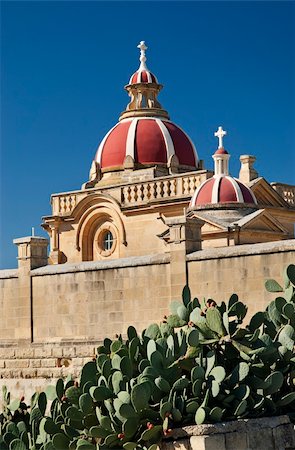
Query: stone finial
142	58
247	171
220	133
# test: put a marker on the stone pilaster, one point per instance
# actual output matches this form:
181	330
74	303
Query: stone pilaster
184	238
32	253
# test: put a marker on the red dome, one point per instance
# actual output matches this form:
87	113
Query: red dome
222	189
143	76
148	141
221	151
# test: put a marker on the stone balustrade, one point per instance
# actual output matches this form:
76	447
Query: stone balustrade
165	188
63	205
286	191
180	186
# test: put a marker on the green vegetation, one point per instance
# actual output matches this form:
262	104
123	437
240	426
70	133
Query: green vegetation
199	365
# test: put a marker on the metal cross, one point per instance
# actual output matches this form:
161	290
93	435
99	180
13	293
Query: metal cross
220	133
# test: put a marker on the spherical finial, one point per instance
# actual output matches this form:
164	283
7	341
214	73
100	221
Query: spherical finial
142	47
220	133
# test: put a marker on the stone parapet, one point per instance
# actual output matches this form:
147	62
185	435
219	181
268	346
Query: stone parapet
8	273
134	261
244	250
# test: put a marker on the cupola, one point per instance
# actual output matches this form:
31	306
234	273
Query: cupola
222	189
144	135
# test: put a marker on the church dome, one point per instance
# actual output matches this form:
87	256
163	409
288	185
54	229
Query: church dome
144	134
222	188
148	140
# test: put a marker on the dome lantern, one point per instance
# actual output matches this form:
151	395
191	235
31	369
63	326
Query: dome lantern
221	156
143	88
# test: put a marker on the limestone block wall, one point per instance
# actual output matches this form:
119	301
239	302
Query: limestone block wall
52	318
30	367
93	300
72	308
220	272
14	306
270	433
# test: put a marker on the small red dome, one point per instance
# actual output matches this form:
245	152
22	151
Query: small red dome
221	151
148	141
222	189
143	76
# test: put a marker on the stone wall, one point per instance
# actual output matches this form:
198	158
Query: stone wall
270	433
243	269
73	307
52	318
14	306
27	368
93	300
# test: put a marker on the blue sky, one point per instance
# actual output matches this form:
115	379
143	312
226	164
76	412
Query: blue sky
64	65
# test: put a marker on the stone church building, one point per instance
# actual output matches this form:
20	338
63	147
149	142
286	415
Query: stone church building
150	219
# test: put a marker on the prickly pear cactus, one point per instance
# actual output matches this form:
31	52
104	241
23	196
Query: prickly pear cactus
200	364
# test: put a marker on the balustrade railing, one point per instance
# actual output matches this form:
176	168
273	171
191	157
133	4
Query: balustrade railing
160	189
64	204
138	193
286	191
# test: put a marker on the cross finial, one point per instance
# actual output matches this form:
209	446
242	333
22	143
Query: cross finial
142	58
220	133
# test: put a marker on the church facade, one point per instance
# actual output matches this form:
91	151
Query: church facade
150	219
146	168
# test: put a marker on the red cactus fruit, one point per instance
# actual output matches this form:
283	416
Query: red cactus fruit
211	303
121	436
149	425
167	432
